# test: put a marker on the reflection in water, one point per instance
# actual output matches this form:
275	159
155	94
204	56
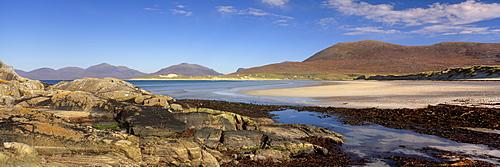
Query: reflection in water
374	142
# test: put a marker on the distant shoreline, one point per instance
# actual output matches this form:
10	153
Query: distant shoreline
215	79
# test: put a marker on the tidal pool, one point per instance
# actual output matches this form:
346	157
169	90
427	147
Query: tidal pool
374	142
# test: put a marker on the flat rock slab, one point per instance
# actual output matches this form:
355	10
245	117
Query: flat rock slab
69	114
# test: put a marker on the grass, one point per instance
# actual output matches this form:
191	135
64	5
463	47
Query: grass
112	126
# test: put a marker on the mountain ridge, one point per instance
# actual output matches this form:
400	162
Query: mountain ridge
187	69
377	57
97	71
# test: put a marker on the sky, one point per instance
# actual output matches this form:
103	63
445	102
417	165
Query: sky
224	35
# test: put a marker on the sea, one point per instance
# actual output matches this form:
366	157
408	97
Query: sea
372	142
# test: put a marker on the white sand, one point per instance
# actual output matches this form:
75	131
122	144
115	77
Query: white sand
392	94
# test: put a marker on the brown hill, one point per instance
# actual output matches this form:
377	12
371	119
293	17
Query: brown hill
375	57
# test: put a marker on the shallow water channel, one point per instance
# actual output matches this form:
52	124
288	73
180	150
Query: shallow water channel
374	142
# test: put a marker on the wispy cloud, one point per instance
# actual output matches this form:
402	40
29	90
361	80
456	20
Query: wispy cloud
279	3
252	12
326	21
226	9
150	9
437	14
368	30
453	29
178	10
182	12
283	22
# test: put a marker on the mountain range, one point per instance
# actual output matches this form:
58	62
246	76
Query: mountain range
376	57
107	70
356	58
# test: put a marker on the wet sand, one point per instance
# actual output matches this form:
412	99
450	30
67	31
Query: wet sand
392	94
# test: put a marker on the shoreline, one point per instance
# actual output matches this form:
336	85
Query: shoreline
391	94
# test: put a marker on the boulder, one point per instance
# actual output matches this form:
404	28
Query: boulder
7	73
243	139
199	120
151	121
158	100
78	100
180	153
19	154
275	155
99	86
209	137
295	131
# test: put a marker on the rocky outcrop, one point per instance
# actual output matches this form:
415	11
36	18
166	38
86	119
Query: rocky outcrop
19	154
13	86
141	129
464	73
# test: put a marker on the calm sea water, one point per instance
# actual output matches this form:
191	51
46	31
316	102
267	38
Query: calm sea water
369	142
222	90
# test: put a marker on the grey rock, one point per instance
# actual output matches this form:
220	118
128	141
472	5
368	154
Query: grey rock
209	137
180	153
275	155
243	139
19	154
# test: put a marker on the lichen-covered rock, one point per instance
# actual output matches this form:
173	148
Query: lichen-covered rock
130	148
79	100
151	121
294	131
199	120
99	86
158	100
275	155
180	153
7	73
209	137
6	100
18	154
243	139
51	135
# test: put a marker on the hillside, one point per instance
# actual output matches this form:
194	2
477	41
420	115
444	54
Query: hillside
375	57
187	69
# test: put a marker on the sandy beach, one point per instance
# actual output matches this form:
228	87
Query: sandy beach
392	94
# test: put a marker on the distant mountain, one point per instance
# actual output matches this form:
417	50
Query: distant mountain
376	57
68	73
240	69
107	70
187	69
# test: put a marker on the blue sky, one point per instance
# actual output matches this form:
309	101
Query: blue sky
148	35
